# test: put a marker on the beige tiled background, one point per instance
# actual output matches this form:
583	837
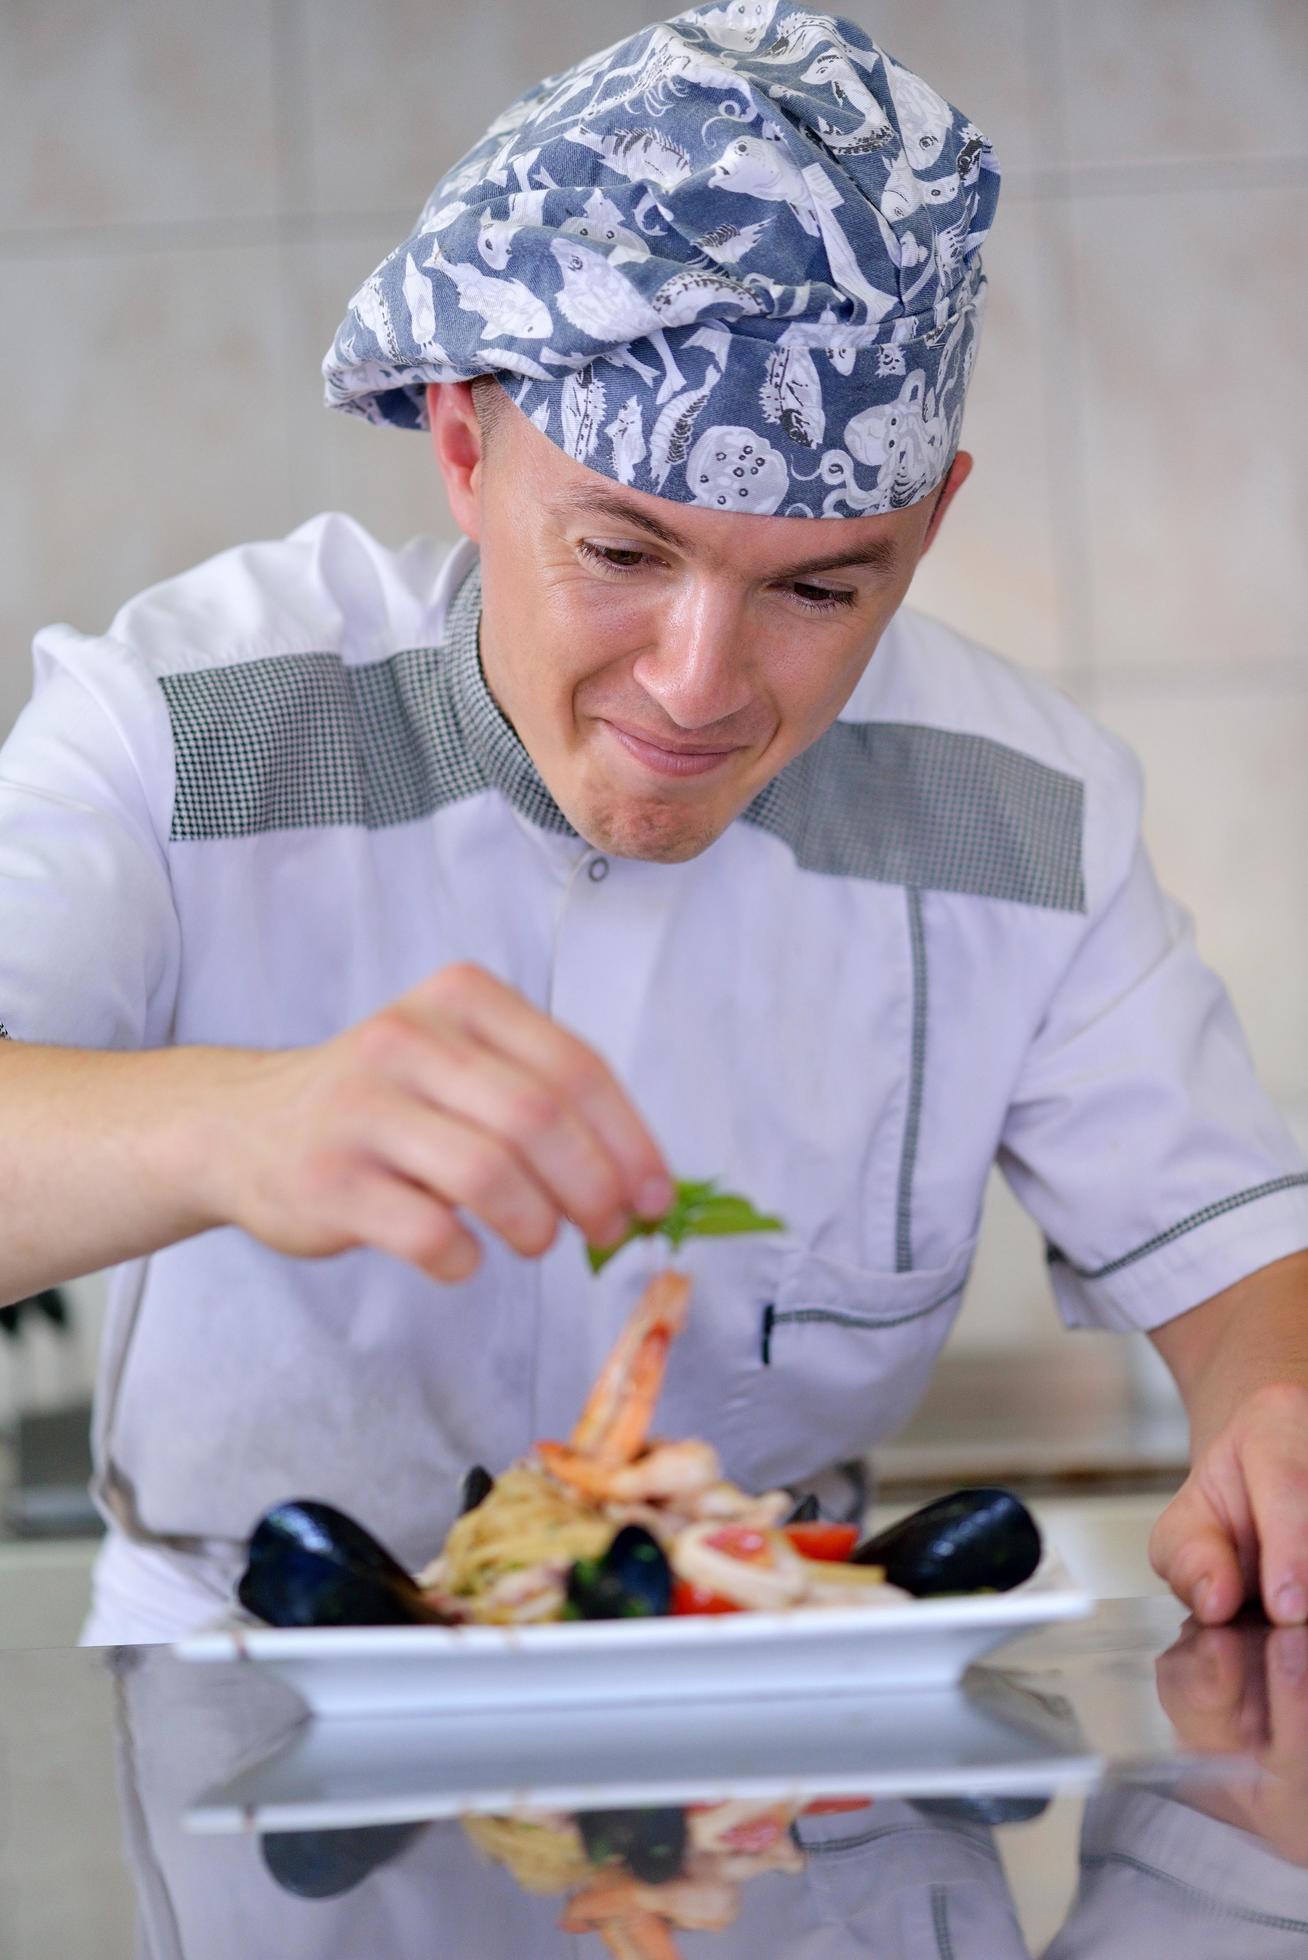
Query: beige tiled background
188	194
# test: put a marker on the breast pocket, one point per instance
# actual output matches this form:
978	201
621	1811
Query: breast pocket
827	1358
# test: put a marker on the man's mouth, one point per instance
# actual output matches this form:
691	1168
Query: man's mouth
669	759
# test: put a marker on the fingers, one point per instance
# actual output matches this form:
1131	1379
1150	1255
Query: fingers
1287	1696
1238	1528
501	1019
412	1225
468	1167
1192	1549
1273	1451
454	1072
1211	1688
459	1098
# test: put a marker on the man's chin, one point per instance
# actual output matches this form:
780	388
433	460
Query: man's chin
663	833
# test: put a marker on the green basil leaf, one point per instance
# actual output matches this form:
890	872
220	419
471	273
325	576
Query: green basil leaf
689	1192
699	1210
729	1215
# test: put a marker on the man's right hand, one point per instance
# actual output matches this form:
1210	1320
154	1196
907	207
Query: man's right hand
460	1097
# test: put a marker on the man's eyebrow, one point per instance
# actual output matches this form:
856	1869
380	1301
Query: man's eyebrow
880	554
594	502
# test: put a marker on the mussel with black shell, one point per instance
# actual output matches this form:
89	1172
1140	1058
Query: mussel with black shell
632	1580
651	1843
982	1540
309	1565
327	1864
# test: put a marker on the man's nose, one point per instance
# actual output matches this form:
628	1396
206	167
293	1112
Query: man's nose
698	670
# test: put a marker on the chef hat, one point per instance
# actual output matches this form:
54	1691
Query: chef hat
733	260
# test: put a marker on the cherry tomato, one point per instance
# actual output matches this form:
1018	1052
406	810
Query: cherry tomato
830	1543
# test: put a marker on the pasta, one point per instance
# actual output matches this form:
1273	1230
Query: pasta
516	1556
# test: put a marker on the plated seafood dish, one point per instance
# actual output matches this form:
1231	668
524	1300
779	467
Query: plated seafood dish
618	1523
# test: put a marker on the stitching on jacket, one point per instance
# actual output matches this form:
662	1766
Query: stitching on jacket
916	1078
1208	1900
1190	1224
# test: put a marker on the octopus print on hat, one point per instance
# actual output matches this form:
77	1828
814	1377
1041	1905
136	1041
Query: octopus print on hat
734	469
734	261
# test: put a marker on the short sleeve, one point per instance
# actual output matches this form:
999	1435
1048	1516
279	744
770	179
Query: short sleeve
1158	1877
89	941
1138	1136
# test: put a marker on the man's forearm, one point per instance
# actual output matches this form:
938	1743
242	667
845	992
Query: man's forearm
1252	1336
102	1156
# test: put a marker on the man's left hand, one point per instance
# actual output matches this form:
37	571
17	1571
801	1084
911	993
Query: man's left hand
1237	1530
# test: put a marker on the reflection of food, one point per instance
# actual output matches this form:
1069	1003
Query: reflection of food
535	1547
545	1854
604	1861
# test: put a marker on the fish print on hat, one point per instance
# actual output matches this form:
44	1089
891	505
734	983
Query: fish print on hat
733	261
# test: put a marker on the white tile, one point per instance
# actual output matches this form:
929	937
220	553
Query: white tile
398	94
1193	404
151	433
977	58
162	109
387	478
1226	816
994	571
1178	80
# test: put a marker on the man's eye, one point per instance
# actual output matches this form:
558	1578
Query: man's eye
822	598
614	558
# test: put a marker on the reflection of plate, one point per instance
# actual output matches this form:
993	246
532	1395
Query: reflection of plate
985	1737
717	1659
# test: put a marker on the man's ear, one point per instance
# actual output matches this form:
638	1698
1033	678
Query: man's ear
456	443
959	471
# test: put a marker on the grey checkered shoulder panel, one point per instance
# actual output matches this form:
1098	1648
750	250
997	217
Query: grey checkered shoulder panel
300	740
909	805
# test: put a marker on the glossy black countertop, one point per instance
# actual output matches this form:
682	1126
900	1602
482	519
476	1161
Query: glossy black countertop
1127	1785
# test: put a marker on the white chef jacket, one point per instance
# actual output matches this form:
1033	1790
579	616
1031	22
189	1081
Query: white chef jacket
277	793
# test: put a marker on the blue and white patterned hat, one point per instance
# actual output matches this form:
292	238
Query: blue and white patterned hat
733	260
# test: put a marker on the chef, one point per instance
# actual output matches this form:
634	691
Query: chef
376	926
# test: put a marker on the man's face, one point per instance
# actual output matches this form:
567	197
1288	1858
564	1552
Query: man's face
661	663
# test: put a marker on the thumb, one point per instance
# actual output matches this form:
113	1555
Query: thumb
1192	1550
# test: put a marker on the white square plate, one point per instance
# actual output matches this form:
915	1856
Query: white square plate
921	1643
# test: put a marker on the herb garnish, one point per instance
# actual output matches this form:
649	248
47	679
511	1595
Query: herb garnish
699	1210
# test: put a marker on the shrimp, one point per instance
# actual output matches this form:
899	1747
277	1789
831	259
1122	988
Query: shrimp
707	1905
666	1471
615	1422
640	1936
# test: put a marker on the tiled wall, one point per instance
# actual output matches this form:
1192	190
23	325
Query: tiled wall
189	193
